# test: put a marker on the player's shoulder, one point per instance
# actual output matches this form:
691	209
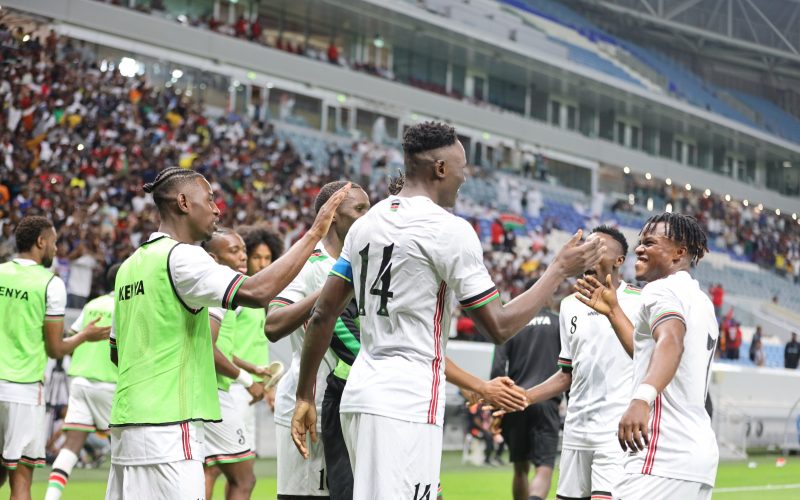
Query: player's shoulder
629	292
673	287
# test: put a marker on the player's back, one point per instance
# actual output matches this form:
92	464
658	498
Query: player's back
404	252
682	442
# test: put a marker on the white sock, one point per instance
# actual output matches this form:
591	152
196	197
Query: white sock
62	468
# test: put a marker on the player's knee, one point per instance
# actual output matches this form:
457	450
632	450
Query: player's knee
522	468
242	480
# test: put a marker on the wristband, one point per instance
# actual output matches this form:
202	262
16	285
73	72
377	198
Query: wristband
245	378
646	393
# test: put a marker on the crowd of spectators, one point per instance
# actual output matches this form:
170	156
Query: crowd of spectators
77	144
749	232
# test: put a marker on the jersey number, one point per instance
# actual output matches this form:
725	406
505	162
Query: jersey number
384	278
574	323
323	481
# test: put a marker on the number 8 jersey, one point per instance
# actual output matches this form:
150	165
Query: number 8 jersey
409	261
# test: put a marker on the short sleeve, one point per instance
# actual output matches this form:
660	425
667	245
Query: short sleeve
296	290
661	304
201	282
565	355
56	297
460	265
77	325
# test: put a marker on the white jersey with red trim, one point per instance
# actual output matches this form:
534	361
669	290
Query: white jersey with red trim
682	442
409	260
602	372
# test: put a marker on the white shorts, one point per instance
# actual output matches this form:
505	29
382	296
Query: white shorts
641	486
298	476
247	412
182	480
89	407
22	435
392	459
589	473
226	442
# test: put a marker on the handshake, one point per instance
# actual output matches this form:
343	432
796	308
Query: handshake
500	395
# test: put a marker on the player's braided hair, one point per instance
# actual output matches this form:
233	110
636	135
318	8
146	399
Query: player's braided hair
682	229
165	181
419	138
28	231
328	190
614	233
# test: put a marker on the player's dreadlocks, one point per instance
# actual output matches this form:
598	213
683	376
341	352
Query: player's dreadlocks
682	229
328	190
614	233
419	138
165	181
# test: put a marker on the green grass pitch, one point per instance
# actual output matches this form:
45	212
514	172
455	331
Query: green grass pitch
735	481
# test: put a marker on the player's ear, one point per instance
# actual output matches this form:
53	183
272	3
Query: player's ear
183	202
440	169
680	252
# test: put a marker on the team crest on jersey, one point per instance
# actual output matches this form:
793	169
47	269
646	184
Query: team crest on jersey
394	206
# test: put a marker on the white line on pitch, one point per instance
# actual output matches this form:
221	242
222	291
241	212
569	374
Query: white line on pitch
758	488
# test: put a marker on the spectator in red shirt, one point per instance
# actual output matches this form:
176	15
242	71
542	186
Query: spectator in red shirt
733	340
717	298
256	30
240	27
333	53
498	235
465	327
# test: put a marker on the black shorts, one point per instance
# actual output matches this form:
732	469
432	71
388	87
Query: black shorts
533	434
337	461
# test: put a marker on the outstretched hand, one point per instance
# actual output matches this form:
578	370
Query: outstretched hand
576	257
304	420
96	333
325	215
600	297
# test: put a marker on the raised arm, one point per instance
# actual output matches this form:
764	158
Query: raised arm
262	287
501	322
336	294
284	318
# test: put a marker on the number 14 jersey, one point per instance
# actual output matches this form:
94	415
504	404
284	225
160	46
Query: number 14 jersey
409	260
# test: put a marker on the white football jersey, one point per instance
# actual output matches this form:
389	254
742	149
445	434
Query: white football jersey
682	442
310	279
410	259
602	372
